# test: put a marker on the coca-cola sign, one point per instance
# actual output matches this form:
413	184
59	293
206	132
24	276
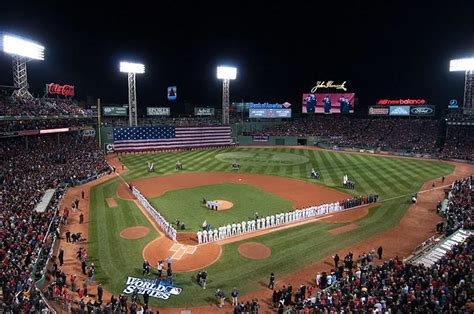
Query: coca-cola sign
65	90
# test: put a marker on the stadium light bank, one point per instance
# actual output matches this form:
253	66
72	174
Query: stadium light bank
466	65
22	50
226	73
132	69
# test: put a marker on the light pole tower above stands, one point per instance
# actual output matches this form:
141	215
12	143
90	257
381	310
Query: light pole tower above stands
22	51
226	74
466	65
132	69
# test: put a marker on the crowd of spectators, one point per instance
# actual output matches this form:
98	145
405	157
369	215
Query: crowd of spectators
155	121
419	135
460	115
459	212
459	143
395	286
37	124
27	170
39	107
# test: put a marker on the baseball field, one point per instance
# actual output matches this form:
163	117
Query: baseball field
270	180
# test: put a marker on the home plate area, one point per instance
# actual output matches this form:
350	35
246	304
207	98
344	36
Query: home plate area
181	249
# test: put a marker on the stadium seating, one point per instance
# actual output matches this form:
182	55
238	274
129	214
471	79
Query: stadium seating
459	143
395	286
39	107
459	212
27	169
417	135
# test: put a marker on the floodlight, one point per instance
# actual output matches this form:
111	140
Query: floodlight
466	64
226	73
129	67
23	48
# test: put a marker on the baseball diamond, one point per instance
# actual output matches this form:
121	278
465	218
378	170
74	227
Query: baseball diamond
392	178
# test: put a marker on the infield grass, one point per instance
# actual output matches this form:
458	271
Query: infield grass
186	205
394	179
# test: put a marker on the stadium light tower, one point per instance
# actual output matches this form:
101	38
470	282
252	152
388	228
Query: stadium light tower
22	51
132	69
226	74
466	65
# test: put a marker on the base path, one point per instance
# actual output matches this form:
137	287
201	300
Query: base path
350	214
343	229
300	192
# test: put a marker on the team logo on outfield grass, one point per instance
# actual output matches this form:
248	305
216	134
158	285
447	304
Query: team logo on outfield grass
269	159
156	289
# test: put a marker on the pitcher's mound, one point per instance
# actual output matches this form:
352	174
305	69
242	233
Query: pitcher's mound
134	232
254	250
224	204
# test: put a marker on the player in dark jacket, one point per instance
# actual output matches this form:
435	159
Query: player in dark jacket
327	104
310	103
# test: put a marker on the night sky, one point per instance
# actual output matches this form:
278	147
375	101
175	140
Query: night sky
384	49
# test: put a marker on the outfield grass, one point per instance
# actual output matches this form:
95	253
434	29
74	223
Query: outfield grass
186	205
394	179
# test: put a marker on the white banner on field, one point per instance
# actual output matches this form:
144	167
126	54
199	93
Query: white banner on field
155	289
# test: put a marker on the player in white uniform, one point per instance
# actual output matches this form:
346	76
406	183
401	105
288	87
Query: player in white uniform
210	235
199	236
204	236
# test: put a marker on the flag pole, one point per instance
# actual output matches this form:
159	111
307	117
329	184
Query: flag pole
98	122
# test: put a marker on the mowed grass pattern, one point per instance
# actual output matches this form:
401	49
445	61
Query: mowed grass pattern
394	179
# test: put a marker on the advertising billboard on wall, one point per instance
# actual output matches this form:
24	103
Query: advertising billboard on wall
269	113
453	104
172	93
422	110
402	102
115	111
379	111
158	111
328	103
200	111
266	105
399	110
56	89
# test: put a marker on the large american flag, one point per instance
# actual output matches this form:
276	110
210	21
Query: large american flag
166	137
